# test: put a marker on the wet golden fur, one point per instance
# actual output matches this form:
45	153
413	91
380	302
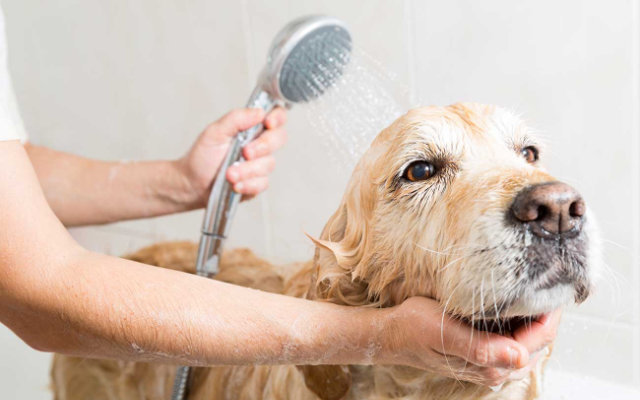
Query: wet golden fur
386	242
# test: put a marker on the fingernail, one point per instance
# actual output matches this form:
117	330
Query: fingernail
250	152
233	174
514	357
239	186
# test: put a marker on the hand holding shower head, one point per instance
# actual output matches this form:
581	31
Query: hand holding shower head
306	58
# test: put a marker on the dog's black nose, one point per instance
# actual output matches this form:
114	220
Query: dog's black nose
551	209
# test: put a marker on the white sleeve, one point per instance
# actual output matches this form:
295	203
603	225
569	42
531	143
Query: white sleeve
11	127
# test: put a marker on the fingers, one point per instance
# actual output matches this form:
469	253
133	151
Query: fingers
539	334
496	376
251	169
237	120
244	118
482	348
486	376
270	141
275	118
252	187
251	177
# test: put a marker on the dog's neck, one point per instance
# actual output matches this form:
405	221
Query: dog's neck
331	282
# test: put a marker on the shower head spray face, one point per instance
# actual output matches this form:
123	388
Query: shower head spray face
306	58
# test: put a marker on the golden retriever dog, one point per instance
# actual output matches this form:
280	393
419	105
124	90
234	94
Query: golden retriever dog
449	203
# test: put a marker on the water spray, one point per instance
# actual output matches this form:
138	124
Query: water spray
305	59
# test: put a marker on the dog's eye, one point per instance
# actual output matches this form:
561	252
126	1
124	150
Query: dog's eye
419	171
530	153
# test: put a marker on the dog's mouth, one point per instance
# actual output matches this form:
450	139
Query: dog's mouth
505	326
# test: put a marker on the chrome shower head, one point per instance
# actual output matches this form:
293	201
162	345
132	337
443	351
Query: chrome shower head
306	57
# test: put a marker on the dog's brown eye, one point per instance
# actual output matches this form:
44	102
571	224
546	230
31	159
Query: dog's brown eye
530	154
419	171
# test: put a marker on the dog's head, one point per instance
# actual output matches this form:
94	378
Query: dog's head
452	203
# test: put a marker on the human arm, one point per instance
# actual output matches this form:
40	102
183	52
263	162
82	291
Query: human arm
82	191
59	297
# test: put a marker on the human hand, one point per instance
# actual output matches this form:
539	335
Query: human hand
202	163
418	333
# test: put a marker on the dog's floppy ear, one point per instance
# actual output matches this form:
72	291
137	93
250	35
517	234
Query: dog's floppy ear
343	247
328	382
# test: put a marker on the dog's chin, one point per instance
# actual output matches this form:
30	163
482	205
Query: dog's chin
526	309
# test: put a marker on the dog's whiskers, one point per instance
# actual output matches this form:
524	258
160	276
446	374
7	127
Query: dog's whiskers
453	262
473	307
444	352
444	252
483	315
619	245
495	300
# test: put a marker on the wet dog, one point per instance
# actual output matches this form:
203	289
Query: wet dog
449	203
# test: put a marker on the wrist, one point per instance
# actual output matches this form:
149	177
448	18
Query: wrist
351	336
173	188
385	334
186	190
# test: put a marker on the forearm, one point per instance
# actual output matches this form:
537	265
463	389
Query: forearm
82	191
100	306
59	297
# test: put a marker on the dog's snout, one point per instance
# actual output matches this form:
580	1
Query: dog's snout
551	209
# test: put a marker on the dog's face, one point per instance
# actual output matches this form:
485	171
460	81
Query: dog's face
451	203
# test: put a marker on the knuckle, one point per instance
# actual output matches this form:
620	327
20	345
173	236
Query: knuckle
481	354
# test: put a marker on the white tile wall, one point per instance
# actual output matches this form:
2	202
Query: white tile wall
138	80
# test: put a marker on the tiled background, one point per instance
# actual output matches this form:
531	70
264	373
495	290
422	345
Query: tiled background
139	80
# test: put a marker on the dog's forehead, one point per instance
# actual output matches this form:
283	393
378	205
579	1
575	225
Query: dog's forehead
463	132
457	126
